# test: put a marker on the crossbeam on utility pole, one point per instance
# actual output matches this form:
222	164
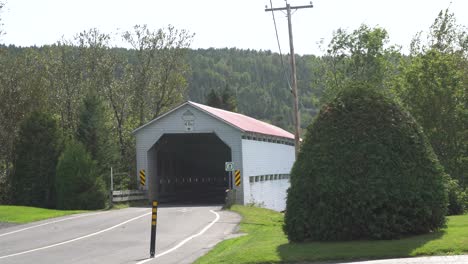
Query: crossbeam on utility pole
297	118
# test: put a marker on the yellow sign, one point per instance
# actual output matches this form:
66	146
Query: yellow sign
237	178
142	177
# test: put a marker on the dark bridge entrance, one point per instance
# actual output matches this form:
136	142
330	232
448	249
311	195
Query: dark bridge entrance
189	168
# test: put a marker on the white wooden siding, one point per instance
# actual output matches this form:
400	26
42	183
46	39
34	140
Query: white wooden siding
266	158
269	194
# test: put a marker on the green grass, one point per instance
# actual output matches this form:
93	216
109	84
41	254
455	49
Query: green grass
25	214
265	242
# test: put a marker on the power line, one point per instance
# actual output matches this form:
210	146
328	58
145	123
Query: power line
279	48
297	120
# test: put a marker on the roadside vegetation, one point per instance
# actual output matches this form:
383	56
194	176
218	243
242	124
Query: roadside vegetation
365	171
67	112
83	89
265	242
351	197
26	214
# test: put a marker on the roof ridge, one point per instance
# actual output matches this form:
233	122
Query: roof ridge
235	119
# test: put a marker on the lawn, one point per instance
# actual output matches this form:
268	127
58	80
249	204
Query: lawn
265	242
25	214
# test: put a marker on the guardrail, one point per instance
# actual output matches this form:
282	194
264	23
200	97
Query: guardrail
128	195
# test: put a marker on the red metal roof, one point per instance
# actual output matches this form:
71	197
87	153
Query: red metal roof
245	123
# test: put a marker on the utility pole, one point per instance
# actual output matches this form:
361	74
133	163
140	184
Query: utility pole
297	119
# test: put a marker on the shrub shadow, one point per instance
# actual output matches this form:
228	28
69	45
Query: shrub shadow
347	251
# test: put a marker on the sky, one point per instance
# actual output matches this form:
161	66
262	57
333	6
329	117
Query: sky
242	24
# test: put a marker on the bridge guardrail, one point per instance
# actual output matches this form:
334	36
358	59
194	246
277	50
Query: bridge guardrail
128	195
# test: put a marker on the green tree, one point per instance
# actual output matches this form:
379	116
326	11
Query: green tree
119	98
365	171
22	90
77	183
434	87
362	56
96	67
37	150
213	99
105	72
160	70
93	133
65	89
457	197
226	100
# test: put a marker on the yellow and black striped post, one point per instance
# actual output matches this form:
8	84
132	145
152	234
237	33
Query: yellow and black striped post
142	177
154	220
237	178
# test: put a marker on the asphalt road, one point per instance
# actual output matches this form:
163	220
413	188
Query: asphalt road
119	236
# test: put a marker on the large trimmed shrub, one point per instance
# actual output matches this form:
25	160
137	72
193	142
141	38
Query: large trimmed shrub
365	171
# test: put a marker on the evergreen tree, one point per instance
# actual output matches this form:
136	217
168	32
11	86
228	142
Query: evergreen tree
226	100
37	150
92	131
77	184
213	99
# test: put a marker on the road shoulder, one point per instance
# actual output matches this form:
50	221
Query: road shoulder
7	225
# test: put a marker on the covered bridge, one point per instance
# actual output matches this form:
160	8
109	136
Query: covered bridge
184	152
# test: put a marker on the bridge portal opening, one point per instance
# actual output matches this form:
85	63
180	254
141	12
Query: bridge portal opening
189	168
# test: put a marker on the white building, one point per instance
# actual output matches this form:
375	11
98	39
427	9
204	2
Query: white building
183	154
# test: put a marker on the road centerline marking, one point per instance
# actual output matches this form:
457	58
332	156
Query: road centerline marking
75	239
184	241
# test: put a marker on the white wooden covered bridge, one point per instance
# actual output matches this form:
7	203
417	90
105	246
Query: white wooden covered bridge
183	154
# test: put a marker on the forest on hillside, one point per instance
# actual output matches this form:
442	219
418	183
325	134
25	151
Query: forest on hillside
258	82
98	94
